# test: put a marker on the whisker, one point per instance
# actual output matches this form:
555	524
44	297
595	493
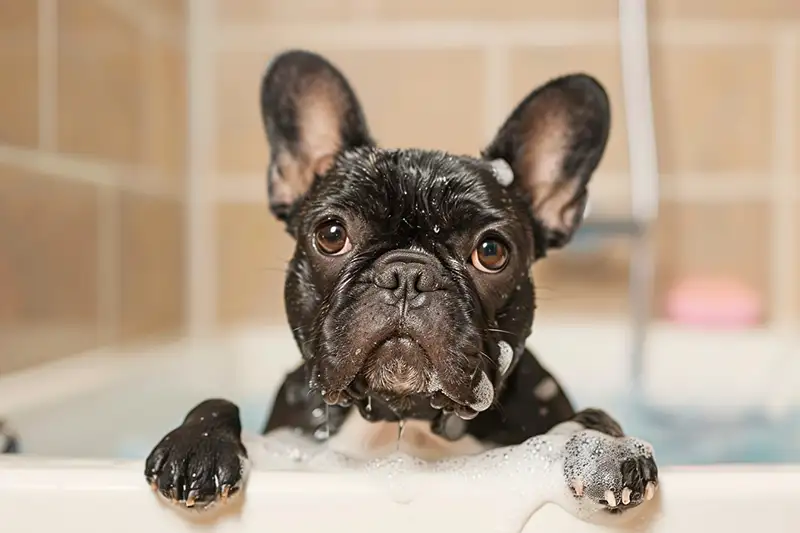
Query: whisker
487	358
496	330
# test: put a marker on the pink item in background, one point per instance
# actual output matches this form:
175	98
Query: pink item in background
714	302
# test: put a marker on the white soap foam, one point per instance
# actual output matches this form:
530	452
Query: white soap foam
505	357
502	171
520	479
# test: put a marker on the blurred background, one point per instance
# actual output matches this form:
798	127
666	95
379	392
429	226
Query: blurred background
132	161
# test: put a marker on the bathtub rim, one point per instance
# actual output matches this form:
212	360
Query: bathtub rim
30	473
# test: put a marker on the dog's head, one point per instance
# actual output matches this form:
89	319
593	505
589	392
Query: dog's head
411	277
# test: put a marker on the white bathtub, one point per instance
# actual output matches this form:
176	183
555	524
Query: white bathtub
85	423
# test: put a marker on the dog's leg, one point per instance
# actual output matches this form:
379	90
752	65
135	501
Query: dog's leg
603	469
203	460
297	407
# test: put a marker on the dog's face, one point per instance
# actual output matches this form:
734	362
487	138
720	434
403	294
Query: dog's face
410	282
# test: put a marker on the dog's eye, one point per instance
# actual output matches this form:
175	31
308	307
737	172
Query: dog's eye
331	238
490	256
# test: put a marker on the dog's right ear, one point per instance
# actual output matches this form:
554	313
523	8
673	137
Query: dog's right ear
310	114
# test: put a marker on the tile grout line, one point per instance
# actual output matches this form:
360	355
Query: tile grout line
365	10
236	187
108	264
86	170
413	35
47	34
146	95
723	188
782	216
152	24
781	389
497	74
202	247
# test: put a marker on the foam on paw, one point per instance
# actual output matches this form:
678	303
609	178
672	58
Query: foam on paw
611	474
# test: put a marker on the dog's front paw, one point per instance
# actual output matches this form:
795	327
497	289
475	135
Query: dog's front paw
195	466
610	473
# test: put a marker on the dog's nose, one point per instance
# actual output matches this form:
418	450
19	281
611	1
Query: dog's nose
407	275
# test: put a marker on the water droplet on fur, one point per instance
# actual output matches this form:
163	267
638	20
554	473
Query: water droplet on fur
368	408
436	229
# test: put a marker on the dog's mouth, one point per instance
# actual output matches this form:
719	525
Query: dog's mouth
401	374
398	366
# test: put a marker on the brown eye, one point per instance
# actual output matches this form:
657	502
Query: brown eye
490	256
331	238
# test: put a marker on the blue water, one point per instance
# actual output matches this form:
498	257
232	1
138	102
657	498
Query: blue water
697	436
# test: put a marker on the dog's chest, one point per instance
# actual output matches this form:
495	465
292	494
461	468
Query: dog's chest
360	439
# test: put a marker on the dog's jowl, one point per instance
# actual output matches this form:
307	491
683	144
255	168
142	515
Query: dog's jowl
410	292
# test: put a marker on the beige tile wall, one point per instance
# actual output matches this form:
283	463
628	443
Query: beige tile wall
48	280
93	145
92	163
443	74
19	73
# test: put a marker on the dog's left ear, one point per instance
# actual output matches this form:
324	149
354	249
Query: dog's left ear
553	142
310	114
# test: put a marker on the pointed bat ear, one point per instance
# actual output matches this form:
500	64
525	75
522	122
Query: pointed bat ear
310	115
553	142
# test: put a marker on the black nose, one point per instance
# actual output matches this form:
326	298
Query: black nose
407	276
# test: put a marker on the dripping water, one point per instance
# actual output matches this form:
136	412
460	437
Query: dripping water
401	424
327	430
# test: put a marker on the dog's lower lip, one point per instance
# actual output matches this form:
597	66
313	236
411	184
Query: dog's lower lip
402	337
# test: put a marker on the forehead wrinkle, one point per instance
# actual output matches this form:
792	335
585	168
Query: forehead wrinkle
414	189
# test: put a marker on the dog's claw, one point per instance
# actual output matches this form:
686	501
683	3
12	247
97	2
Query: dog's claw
626	496
650	491
466	413
191	498
441	401
610	499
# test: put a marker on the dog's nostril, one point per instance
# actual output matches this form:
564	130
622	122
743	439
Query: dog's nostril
425	282
388	279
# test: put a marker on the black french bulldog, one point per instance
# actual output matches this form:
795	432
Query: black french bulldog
410	293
